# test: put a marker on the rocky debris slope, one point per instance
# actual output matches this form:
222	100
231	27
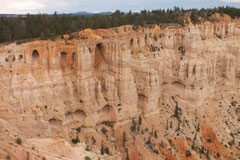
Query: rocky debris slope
154	92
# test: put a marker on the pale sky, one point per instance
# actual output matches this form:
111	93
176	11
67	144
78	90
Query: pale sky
71	6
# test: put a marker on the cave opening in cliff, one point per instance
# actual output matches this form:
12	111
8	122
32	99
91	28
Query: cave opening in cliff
187	72
138	41
107	114
99	48
100	64
178	85
69	117
74	58
35	56
194	70
54	122
64	56
131	43
79	115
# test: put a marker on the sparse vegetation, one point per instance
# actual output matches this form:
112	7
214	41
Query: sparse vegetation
134	125
102	149
127	154
188	153
151	145
93	140
8	157
19	141
155	134
209	140
182	50
198	127
109	124
104	130
218	36
202	150
106	150
78	129
139	122
135	28
167	125
178	112
87	158
155	37
171	124
178	128
193	146
124	139
27	155
75	140
234	103
87	148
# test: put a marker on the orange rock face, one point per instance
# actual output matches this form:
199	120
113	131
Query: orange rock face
109	77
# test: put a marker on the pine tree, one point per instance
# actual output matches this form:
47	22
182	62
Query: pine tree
127	155
167	125
124	139
102	149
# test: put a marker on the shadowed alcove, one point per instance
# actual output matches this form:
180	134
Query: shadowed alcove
107	114
63	56
63	60
54	122
100	63
35	56
74	58
78	115
131	43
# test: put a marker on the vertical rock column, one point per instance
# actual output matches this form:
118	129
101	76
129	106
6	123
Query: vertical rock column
151	91
85	81
230	69
121	69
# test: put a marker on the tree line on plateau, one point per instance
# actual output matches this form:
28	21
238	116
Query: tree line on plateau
43	26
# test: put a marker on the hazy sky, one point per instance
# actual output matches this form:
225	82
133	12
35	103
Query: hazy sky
68	6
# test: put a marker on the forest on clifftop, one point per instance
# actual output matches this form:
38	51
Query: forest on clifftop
43	26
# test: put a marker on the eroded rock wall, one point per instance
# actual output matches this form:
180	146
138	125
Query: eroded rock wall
53	86
93	81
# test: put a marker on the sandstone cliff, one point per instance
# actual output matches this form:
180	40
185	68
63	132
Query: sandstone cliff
182	82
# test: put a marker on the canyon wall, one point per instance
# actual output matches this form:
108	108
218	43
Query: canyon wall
114	75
